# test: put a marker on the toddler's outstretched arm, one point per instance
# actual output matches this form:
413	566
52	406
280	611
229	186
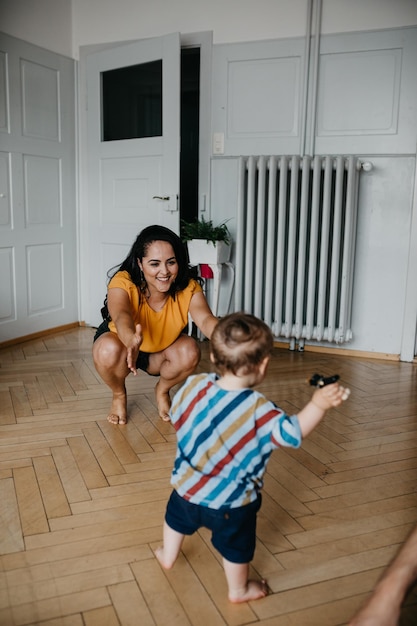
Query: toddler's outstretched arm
323	399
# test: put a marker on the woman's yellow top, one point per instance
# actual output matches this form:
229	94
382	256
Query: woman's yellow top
160	328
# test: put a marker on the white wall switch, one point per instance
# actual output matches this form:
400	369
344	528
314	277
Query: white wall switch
218	143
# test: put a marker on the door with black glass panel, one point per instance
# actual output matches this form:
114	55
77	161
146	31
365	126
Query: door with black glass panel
133	151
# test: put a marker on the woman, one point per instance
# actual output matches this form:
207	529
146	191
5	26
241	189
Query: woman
149	298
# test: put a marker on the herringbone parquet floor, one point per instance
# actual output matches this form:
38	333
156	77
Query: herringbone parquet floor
82	502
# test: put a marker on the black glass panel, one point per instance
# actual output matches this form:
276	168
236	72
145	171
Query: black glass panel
132	102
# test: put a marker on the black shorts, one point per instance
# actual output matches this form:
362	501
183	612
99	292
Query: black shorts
233	530
142	362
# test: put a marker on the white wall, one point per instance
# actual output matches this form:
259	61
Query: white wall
230	20
384	223
64	25
386	208
45	23
356	15
364	108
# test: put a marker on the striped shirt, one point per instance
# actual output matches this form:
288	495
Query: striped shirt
224	441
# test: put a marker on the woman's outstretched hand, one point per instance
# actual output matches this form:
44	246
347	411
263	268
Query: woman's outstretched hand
133	349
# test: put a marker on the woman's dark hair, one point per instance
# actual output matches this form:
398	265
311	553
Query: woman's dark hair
139	249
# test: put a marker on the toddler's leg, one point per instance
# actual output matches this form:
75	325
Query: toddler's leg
167	554
240	588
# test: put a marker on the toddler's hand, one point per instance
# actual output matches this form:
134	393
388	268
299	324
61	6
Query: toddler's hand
330	396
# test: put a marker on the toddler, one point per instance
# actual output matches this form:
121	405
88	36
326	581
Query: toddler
226	432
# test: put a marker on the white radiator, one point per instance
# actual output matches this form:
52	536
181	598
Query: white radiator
295	244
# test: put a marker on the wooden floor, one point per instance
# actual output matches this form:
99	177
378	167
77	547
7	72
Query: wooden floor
82	502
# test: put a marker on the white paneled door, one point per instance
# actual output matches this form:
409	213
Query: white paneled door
38	264
133	151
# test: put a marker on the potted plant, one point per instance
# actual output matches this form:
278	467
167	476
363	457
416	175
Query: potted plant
206	243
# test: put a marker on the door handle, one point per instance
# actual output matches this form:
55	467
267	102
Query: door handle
170	202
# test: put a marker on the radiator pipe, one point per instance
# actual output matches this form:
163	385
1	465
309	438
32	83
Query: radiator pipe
315	76
307	55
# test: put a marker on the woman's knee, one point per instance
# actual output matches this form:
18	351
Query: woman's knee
185	352
181	357
107	351
190	350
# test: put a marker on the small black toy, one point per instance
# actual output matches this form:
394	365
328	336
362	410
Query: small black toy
317	380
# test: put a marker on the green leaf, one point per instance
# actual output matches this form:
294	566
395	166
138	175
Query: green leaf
202	229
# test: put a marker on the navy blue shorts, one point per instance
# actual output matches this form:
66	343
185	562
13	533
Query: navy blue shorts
233	530
142	362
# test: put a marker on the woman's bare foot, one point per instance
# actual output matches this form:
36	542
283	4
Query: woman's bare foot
254	590
118	411
163	402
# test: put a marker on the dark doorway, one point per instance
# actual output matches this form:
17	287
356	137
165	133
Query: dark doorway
190	122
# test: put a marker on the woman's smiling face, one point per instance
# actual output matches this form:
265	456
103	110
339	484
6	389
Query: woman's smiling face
159	266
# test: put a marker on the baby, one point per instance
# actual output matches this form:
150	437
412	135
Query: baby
226	432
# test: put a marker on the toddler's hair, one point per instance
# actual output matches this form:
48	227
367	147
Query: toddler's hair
239	343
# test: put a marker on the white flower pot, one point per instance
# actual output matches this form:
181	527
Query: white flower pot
202	251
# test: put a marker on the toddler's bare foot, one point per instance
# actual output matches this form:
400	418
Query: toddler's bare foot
159	553
118	411
163	401
254	590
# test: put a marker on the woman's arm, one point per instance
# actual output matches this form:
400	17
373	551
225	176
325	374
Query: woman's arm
202	315
384	605
129	334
